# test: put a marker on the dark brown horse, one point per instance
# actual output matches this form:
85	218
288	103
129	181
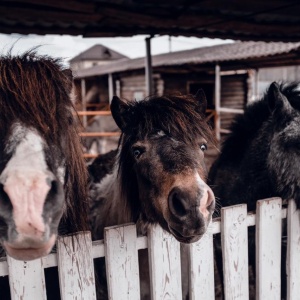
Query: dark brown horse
261	159
158	173
42	172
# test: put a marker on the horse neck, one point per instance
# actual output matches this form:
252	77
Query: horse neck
109	206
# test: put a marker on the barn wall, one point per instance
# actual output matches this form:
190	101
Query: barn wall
132	87
233	95
175	83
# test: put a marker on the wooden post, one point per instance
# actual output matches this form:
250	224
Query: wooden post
110	87
118	88
148	67
83	100
164	262
217	102
268	249
293	251
76	267
234	236
26	279
201	269
122	266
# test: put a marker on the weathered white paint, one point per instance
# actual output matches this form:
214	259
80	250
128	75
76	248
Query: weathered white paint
26	279
293	251
234	236
164	260
268	249
122	267
75	267
201	266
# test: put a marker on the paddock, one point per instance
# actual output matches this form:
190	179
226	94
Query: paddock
74	259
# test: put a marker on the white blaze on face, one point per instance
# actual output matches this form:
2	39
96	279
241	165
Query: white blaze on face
26	180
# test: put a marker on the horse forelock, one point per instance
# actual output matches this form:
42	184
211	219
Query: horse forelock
35	91
175	115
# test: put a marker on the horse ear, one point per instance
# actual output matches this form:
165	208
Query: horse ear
119	111
276	100
201	98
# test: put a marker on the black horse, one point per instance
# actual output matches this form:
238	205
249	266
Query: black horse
260	158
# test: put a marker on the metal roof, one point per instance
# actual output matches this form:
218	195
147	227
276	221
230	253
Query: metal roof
98	52
233	52
276	20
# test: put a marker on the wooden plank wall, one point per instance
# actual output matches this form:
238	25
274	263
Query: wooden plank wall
233	95
132	84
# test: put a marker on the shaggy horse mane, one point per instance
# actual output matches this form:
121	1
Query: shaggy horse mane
180	117
40	87
246	126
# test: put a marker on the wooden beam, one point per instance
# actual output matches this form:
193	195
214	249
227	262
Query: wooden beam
83	101
148	67
110	87
217	101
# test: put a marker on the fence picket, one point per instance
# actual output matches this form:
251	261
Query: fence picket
26	279
122	267
234	236
164	260
293	251
75	267
268	249
201	266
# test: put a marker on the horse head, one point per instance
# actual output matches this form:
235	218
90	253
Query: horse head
161	162
38	150
283	126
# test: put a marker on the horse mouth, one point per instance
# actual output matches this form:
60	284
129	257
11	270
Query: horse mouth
29	253
184	239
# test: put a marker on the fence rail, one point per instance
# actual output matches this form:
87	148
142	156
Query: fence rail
74	259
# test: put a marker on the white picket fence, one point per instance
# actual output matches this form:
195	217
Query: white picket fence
74	260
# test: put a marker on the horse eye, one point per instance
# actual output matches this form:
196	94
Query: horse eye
137	152
203	147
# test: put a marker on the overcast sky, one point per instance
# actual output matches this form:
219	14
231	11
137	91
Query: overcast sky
68	46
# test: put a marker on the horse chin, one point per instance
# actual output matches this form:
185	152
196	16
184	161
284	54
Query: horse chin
18	252
184	239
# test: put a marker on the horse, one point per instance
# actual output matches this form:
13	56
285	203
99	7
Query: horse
158	173
43	177
260	157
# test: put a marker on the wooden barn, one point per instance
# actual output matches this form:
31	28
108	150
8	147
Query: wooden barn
229	74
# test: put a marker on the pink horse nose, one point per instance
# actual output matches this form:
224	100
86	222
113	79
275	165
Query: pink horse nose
207	202
181	203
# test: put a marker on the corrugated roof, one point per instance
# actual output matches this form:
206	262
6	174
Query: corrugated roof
240	20
220	53
98	52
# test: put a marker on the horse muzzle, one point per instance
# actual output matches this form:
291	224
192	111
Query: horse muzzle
190	216
31	207
28	249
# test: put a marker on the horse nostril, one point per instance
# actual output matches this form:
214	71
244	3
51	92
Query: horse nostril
177	203
3	196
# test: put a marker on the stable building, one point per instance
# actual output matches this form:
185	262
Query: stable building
230	74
